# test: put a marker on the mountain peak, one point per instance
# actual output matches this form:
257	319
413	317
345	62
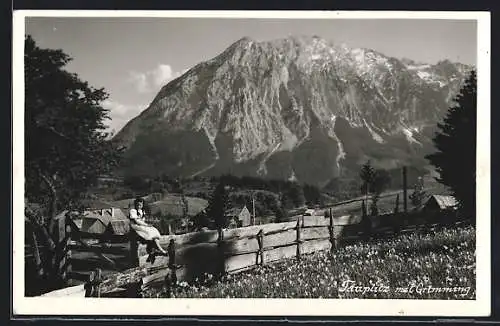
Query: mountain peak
299	40
445	62
240	43
244	40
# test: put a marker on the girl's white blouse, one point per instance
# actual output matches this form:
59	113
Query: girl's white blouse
135	214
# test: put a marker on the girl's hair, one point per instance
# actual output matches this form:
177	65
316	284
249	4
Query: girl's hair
138	200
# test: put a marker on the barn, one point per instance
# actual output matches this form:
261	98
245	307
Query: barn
245	217
437	203
98	221
94	223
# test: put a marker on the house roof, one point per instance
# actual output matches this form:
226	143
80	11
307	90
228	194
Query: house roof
78	223
236	211
309	211
444	201
105	215
90	225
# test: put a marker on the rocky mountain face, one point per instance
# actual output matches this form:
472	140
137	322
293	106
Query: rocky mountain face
299	108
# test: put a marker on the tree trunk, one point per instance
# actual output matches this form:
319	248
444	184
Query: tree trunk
53	201
49	232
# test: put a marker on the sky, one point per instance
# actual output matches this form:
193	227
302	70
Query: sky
132	58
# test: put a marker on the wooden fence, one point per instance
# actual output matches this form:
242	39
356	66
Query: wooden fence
48	264
215	252
219	252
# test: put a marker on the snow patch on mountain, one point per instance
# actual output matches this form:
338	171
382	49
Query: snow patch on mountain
428	74
409	134
418	67
424	75
341	153
375	136
211	139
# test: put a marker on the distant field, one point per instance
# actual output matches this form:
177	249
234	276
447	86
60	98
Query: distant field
386	203
172	205
169	205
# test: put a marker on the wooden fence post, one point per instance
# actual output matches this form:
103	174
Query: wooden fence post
220	247
138	289
396	207
366	222
363	209
331	232
168	285
52	263
59	257
299	241
171	263
98	280
89	290
405	191
134	249
92	287
398	222
62	261
64	254
260	253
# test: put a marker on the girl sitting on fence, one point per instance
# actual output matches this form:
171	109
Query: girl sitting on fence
145	231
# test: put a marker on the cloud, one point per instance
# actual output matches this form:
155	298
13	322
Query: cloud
162	74
120	114
153	80
140	81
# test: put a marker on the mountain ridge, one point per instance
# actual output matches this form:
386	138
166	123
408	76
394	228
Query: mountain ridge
263	108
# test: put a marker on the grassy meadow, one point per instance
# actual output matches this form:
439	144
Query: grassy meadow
433	265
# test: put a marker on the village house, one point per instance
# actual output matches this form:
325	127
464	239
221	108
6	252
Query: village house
111	220
309	212
239	217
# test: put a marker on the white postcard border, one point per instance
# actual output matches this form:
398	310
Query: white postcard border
272	307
